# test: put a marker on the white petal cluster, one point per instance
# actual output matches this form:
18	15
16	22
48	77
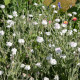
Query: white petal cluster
14	50
58	50
56	26
46	78
21	41
15	14
73	44
40	39
27	67
9	44
1	32
44	22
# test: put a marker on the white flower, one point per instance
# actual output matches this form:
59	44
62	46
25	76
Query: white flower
56	26
53	45
55	11
48	33
53	61
27	67
74	13
14	34
78	64
70	32
44	22
35	23
63	56
45	78
40	39
21	41
10	16
63	25
56	77
69	14
49	57
15	14
57	20
1	32
8	44
58	50
32	51
23	16
63	31
2	6
1	72
75	30
30	15
38	64
73	44
53	6
22	65
14	50
8	26
35	4
78	49
50	45
40	14
43	7
10	22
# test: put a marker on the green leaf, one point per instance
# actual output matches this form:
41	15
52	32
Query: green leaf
6	2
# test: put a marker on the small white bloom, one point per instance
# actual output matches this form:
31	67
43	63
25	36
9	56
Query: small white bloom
8	44
53	61
2	6
75	30
78	49
30	15
48	33
53	45
21	41
56	77
50	45
56	26
32	51
40	39
74	13
10	22
43	7
70	32
58	50
53	6
35	23
73	44
1	32
57	20
63	56
63	25
10	16
78	64
1	72
8	26
40	14
45	78
23	16
14	34
38	64
22	65
35	4
44	22
55	11
14	50
27	67
69	14
63	31
15	14
49	57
